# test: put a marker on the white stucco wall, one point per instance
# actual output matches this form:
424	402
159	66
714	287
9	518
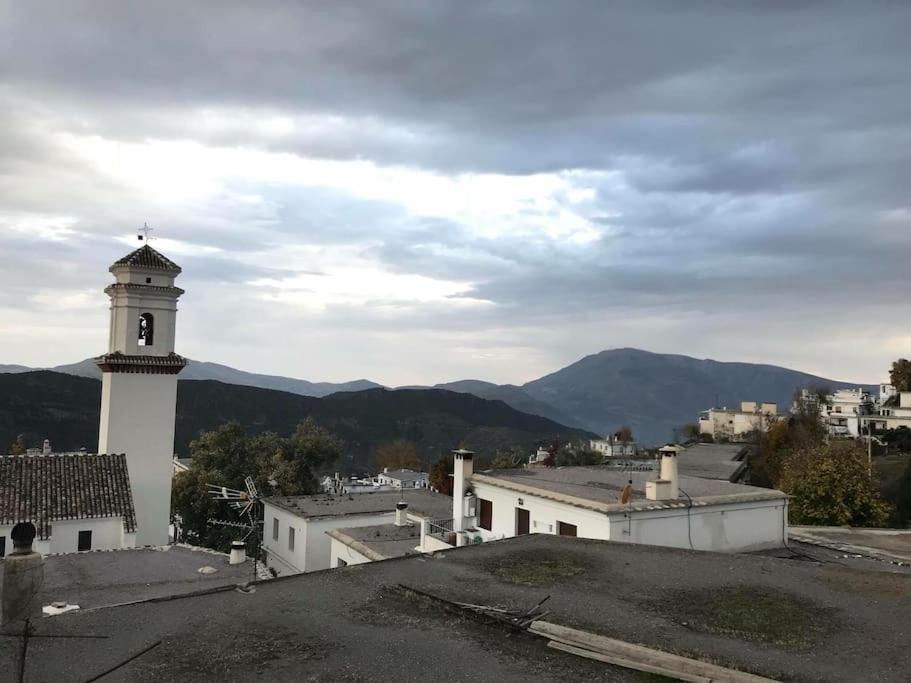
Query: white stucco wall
312	545
723	528
137	418
107	534
339	550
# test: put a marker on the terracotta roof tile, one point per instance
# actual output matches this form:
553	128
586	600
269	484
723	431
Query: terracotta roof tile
146	257
43	489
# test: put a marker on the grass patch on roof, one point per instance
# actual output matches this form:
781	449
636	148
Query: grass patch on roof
536	572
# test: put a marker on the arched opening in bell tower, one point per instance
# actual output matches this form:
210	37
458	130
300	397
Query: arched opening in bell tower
146	329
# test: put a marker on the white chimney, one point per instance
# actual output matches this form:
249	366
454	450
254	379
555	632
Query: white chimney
401	513
463	467
238	552
46	447
669	469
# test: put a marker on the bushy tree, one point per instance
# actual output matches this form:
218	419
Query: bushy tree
625	433
400	454
571	456
227	455
690	431
831	485
776	445
900	375
441	475
18	447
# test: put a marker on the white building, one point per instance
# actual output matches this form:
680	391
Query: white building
842	411
614	447
77	501
729	424
601	503
295	531
139	383
404	479
890	417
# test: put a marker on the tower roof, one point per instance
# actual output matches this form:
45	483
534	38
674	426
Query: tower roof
146	257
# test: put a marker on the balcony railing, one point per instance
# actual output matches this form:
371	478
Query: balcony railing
442	530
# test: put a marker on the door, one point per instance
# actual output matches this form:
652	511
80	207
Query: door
85	540
522	522
486	520
565	529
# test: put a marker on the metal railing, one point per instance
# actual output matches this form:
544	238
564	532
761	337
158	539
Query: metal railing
440	529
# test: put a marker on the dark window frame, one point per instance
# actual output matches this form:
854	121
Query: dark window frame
84	540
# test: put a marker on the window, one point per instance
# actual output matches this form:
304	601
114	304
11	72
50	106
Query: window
290	538
275	528
85	540
565	529
148	280
341	563
2	546
486	519
146	329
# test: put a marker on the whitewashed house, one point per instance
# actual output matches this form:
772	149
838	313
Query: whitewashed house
843	410
890	417
729	424
606	503
614	447
403	479
77	501
295	530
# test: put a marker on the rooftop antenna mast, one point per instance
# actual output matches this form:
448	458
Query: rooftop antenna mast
145	230
246	503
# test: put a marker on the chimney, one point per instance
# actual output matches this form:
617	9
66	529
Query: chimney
23	575
385	470
463	467
401	514
46	447
238	552
669	469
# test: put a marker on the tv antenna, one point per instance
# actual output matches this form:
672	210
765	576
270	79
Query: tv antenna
145	230
245	502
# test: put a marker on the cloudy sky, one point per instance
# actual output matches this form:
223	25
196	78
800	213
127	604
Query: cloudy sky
427	191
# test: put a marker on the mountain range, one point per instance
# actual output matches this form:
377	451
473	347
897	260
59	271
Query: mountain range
651	393
65	409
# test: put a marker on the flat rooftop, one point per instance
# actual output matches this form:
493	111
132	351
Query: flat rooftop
420	501
788	619
101	578
887	544
601	486
713	461
383	541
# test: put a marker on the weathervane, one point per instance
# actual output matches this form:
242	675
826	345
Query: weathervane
145	230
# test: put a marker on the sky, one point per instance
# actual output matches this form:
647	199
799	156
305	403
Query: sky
423	192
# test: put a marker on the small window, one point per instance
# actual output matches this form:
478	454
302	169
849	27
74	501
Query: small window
148	280
85	540
564	529
290	538
275	528
2	546
341	563
146	329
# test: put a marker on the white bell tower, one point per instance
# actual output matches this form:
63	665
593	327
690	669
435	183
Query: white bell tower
139	384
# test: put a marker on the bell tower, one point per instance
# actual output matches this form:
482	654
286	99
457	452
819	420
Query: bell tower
139	384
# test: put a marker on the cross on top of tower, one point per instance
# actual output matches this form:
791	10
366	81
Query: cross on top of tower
145	230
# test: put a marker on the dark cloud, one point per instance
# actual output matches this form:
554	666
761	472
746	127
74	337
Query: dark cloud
743	166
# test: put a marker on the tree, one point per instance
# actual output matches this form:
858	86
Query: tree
776	445
400	454
574	457
831	485
227	455
900	375
441	476
18	447
690	431
625	433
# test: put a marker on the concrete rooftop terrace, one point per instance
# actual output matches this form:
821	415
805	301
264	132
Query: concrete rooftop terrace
712	461
784	618
601	485
382	541
420	501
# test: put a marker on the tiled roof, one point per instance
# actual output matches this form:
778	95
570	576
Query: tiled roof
43	489
146	257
